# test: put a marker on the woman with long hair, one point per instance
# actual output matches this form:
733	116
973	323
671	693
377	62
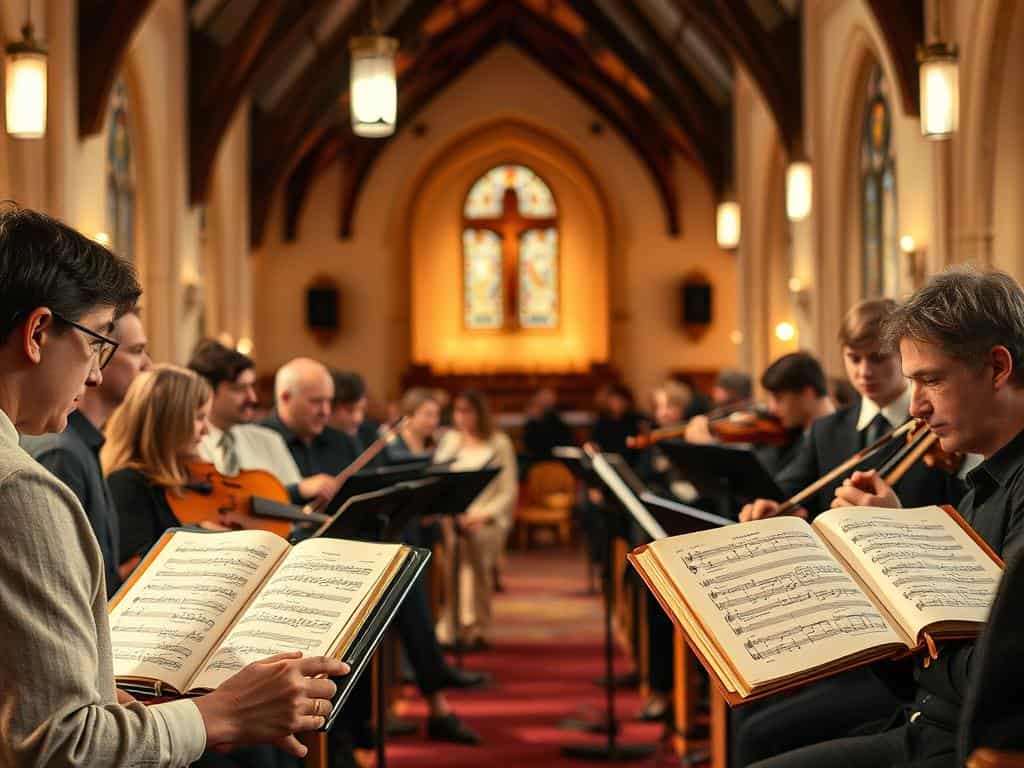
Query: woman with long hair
417	437
473	444
151	438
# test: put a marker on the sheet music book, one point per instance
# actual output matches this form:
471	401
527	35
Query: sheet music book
774	604
203	605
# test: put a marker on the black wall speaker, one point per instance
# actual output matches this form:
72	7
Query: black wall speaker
696	300
323	309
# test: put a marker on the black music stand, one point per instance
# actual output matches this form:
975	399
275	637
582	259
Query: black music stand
731	474
582	466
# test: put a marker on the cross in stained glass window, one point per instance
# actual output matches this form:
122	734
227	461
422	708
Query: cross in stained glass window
510	251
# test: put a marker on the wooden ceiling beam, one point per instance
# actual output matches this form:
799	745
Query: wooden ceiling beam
696	114
902	25
218	80
443	59
105	29
772	60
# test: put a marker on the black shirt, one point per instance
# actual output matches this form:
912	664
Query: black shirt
994	506
142	510
545	432
329	452
73	456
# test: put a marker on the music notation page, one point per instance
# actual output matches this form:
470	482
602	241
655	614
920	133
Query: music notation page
185	600
921	561
314	593
773	597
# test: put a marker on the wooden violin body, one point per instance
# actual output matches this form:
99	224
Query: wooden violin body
755	427
215	498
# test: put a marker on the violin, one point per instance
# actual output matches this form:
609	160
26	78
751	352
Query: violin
922	445
211	497
752	426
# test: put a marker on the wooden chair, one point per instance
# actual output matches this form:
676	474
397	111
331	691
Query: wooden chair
549	494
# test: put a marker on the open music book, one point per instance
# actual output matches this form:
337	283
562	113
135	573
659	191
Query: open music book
201	606
774	604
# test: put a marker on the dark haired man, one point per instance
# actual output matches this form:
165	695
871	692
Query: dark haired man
960	339
797	396
74	454
61	293
234	442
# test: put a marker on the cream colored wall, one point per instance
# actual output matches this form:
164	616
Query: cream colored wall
645	267
1008	198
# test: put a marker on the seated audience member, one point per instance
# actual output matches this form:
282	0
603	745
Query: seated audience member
483	528
544	428
74	454
959	340
62	293
417	437
233	442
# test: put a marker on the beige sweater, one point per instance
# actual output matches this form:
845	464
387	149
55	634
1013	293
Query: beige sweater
57	700
498	500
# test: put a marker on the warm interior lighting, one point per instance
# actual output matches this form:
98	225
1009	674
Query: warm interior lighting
374	93
26	86
226	339
736	337
795	285
799	189
907	244
940	90
727	224
102	238
244	345
785	331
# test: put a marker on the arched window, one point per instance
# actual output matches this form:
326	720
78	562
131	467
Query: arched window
120	175
510	251
880	253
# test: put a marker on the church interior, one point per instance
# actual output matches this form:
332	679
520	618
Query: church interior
579	200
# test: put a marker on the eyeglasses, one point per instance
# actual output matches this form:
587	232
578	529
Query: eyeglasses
103	347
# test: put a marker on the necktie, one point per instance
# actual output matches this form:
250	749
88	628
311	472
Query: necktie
878	427
228	456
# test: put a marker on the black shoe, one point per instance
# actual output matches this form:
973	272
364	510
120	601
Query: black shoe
450	728
465	679
398	726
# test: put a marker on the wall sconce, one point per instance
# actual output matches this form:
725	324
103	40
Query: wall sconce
728	224
799	292
192	290
26	84
915	261
939	73
785	331
799	190
374	92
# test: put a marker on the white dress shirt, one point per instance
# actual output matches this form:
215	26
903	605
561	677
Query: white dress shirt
256	447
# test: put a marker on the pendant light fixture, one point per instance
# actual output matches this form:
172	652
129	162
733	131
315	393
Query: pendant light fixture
728	224
799	190
373	93
939	72
25	74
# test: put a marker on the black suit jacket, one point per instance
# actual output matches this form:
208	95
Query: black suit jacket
833	439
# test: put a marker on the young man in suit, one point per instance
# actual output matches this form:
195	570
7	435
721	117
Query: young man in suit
961	340
831	708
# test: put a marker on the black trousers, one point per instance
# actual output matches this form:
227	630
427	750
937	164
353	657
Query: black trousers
914	745
825	710
659	645
415	624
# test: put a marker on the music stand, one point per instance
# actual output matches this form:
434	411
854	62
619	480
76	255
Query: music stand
594	471
370	480
729	473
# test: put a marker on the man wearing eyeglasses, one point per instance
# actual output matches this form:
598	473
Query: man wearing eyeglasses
60	294
74	454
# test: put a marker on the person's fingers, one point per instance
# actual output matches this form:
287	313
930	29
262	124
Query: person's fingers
321	688
311	666
291	745
281	657
318	707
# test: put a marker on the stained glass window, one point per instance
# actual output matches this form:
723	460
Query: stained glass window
510	251
880	251
120	174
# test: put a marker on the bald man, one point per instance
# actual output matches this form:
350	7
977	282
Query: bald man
303	390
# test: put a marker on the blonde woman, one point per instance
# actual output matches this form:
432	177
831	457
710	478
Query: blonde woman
416	438
473	444
150	439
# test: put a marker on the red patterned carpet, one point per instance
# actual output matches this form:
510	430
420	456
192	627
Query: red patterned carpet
547	650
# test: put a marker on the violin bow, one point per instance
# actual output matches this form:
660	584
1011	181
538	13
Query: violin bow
790	504
361	461
895	468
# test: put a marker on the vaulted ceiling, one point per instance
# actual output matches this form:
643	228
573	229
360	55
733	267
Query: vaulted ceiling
660	72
